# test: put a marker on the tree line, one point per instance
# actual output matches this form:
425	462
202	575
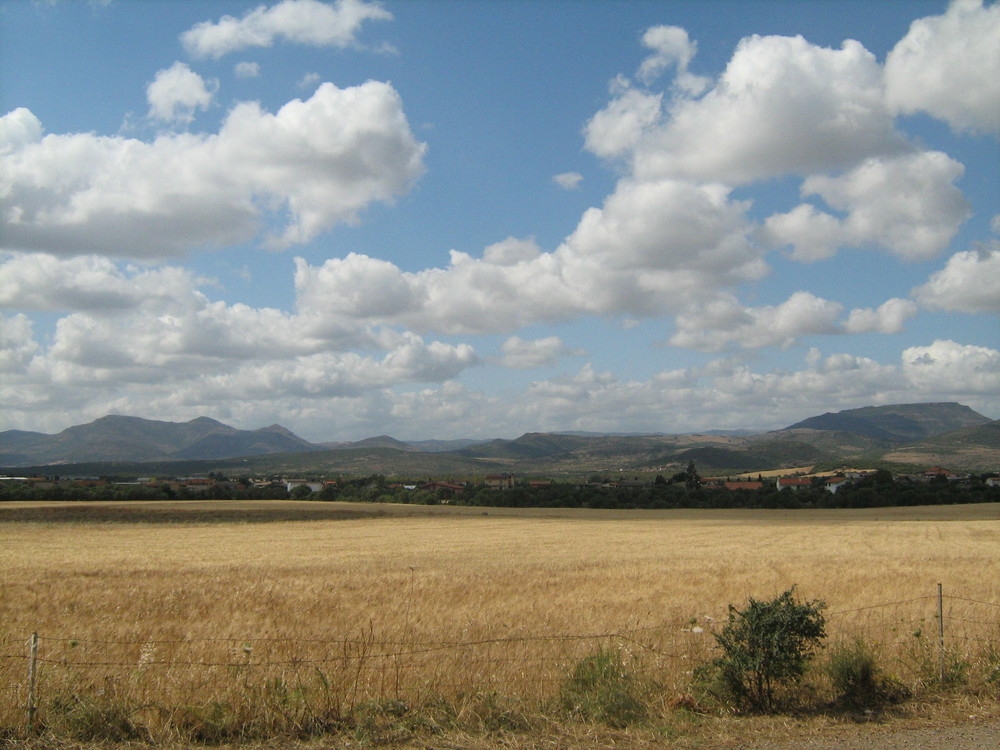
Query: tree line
684	490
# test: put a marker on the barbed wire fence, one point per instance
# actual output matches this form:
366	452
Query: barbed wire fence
921	640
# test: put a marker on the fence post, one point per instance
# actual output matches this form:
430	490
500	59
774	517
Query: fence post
940	598
32	679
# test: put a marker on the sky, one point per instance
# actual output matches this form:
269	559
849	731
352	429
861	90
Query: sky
475	219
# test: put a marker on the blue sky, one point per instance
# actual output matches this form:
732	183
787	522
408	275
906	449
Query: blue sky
477	219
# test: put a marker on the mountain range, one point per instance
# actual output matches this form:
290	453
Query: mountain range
905	434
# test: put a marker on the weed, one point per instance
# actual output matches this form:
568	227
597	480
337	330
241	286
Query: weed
859	681
494	713
600	690
92	718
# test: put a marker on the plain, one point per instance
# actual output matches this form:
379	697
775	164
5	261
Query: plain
416	604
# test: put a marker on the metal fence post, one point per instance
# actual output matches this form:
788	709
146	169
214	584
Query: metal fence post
32	680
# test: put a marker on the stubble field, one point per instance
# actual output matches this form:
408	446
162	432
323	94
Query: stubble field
184	622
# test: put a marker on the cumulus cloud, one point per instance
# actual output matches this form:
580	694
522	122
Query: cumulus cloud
568	180
949	367
714	326
907	204
652	248
320	161
299	21
141	340
889	317
619	128
949	67
18	129
969	282
176	92
782	106
813	234
17	343
43	282
672	47
522	354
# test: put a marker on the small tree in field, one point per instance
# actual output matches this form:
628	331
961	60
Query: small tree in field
766	646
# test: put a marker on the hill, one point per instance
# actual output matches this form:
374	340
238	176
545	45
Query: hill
951	435
119	438
894	425
967	449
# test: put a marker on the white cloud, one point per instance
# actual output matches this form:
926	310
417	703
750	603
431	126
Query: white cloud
652	248
889	317
246	69
299	21
522	354
949	367
618	128
321	161
17	344
813	235
568	180
671	48
907	204
949	67
782	106
969	283
39	281
177	92
713	326
18	129
309	80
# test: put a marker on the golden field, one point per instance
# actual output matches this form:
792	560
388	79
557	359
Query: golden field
365	603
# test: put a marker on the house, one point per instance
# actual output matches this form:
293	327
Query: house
938	471
743	485
197	485
993	481
793	483
833	484
503	481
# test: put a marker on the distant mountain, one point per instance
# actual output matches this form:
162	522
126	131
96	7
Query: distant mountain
442	446
118	438
946	434
382	441
895	425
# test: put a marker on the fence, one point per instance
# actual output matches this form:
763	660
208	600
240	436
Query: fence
283	682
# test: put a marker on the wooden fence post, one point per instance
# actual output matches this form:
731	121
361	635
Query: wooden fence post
32	680
940	634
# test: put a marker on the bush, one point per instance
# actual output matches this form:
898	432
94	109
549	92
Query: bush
858	680
600	690
766	647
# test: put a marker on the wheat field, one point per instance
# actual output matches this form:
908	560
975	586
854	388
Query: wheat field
399	603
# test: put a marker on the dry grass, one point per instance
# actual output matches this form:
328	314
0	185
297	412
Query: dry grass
450	604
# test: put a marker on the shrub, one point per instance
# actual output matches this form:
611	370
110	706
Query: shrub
858	680
766	647
600	690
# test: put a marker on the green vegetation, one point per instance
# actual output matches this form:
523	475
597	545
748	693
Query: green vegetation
685	489
858	679
766	648
602	691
